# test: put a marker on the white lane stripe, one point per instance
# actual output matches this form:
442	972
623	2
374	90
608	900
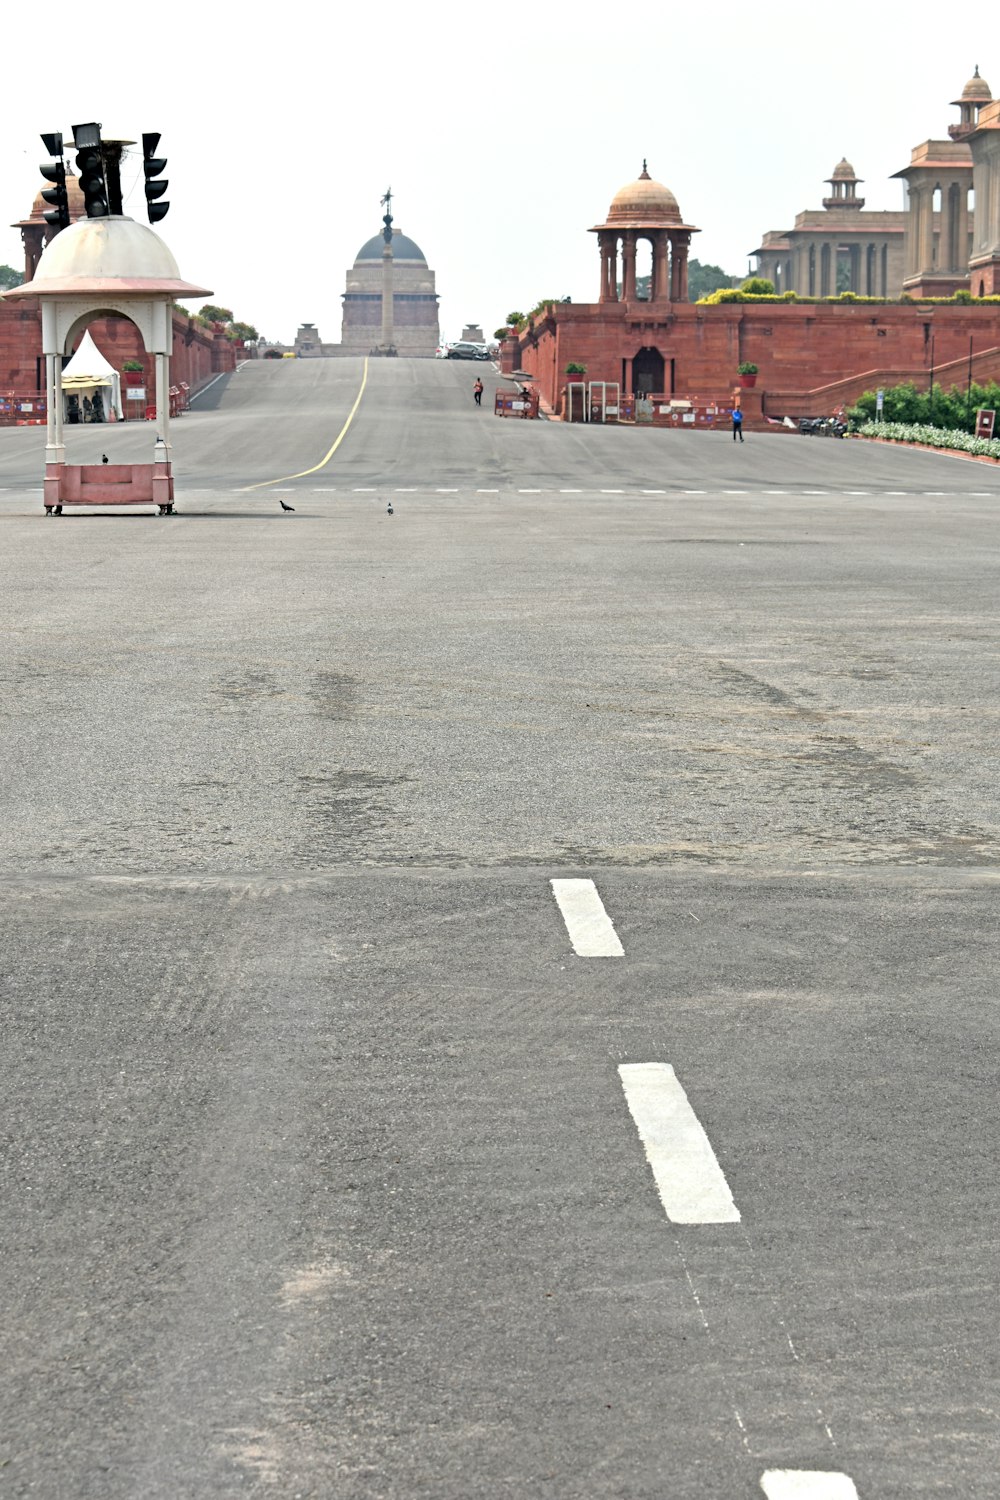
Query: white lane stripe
663	492
612	492
934	494
328	490
734	492
412	490
365	491
529	492
857	492
775	492
807	1484
979	494
688	1177
487	492
590	929
571	492
814	492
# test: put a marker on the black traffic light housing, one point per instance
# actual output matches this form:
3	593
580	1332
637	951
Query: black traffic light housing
90	165
55	172
156	185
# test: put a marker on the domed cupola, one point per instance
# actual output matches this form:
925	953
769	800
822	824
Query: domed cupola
844	183
644	209
975	94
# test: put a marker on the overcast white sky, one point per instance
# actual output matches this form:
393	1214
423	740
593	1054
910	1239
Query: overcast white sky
504	131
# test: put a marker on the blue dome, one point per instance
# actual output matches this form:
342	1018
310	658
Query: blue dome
403	248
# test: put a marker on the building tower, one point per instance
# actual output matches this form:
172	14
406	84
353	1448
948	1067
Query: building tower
414	300
975	94
844	187
938	218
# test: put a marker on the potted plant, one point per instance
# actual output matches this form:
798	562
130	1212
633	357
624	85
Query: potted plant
574	371
747	371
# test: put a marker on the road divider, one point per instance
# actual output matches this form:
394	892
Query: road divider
591	930
807	1484
691	1184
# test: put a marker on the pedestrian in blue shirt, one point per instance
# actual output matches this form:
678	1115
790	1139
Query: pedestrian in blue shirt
737	416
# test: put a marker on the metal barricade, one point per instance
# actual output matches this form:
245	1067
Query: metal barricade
29	409
519	403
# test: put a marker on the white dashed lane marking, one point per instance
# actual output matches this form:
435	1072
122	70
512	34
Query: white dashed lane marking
691	1184
807	1484
571	492
590	929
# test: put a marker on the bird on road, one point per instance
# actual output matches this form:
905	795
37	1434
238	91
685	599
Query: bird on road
389	509
284	506
104	458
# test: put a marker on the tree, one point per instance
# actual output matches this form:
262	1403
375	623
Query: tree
213	314
9	278
705	279
757	286
245	331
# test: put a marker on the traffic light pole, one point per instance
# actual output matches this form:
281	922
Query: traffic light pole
55	448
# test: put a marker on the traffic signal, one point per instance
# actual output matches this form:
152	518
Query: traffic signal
156	184
90	165
55	172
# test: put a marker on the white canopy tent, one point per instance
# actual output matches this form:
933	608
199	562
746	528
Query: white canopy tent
89	374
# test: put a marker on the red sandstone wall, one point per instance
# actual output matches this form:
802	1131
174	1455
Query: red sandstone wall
197	353
798	347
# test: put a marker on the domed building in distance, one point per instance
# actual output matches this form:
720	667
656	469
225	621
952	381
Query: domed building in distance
416	330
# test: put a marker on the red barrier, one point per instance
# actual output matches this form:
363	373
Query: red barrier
27	410
515	403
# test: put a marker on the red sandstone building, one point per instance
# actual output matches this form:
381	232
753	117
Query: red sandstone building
812	356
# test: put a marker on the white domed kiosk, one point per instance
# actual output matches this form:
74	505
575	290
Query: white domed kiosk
94	268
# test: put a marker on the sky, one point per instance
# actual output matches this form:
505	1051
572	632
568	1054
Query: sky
504	132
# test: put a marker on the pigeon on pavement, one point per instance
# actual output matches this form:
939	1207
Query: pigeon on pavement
284	506
104	458
389	509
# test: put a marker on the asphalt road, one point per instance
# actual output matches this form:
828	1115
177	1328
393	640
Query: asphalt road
322	1169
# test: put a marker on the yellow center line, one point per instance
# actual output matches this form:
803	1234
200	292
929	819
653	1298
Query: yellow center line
323	461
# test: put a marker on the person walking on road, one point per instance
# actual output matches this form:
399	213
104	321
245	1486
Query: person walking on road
477	391
737	416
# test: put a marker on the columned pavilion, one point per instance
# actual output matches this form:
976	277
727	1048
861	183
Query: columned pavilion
644	210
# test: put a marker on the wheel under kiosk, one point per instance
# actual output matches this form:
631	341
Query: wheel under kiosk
101	267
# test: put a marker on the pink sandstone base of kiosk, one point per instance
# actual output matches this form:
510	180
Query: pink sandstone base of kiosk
109	484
